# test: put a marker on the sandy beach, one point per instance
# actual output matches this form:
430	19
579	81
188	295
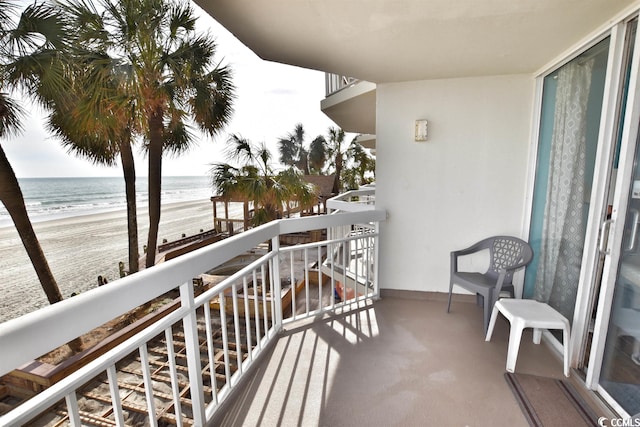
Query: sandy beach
81	248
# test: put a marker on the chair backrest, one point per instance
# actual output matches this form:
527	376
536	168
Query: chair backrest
506	252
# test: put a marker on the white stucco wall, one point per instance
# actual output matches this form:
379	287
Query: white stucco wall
467	182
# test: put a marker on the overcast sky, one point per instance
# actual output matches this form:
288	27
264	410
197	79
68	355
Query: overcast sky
271	99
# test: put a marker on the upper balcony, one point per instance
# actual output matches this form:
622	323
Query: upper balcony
351	103
298	336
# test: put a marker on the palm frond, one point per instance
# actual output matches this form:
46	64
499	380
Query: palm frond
181	17
11	114
178	137
40	26
8	11
240	149
212	100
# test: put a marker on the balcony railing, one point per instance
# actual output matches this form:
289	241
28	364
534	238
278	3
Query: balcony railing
182	366
363	199
335	83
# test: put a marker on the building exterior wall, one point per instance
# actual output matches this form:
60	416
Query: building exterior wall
466	182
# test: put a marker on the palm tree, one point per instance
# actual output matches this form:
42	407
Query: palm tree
27	60
317	155
170	75
104	143
361	168
94	118
293	151
351	164
335	154
257	182
12	199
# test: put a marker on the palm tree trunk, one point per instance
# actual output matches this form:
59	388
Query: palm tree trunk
11	197
336	180
155	183
305	165
129	172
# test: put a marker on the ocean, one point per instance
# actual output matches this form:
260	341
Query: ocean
55	198
82	228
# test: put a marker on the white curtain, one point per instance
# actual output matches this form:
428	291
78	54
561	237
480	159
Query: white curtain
563	228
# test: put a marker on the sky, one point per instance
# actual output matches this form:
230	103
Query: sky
271	99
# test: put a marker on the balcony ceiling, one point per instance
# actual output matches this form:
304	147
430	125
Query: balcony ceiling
387	41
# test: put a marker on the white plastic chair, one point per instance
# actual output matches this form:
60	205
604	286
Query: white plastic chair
526	313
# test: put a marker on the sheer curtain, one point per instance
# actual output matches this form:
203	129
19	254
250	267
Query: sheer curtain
563	228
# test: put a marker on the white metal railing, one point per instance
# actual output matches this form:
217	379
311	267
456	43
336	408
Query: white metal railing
202	348
363	199
344	269
335	83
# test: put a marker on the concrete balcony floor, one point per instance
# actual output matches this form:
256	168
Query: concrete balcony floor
396	362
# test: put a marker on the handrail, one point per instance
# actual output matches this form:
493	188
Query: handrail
359	200
27	337
57	324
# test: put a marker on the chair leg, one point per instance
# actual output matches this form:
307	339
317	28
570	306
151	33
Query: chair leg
450	290
515	335
488	306
492	323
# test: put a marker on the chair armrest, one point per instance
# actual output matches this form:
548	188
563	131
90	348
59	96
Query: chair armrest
454	262
476	247
471	249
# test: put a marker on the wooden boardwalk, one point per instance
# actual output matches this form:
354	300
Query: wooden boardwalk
94	399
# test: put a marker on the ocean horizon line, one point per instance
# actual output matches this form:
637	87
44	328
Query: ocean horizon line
60	197
7	222
105	176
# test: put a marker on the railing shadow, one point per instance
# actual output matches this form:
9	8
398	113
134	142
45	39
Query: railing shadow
294	383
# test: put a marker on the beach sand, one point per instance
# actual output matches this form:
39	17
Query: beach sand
81	248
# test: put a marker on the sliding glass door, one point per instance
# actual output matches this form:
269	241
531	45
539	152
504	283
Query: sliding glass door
585	221
614	363
620	370
568	144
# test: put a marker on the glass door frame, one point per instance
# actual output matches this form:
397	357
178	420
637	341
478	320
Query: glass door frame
620	203
598	239
598	225
601	181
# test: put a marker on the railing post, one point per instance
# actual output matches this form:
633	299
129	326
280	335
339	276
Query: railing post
277	283
192	343
327	76
73	410
376	254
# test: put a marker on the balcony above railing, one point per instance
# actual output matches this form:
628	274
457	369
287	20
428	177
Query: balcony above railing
335	83
350	103
183	363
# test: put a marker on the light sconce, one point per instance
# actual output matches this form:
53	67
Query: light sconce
421	130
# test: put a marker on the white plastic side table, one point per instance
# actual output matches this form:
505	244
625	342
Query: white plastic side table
526	313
